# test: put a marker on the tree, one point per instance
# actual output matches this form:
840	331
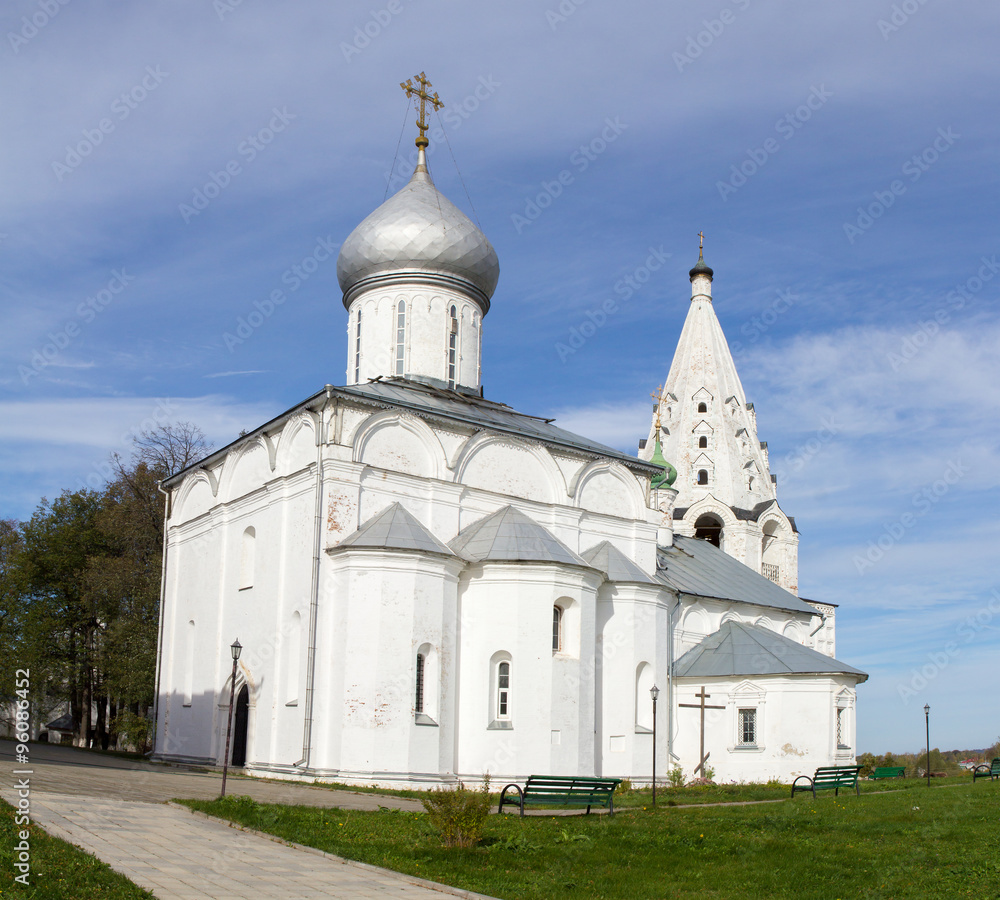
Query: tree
169	448
61	623
126	579
125	582
11	609
80	590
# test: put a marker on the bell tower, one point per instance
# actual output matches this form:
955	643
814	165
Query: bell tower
708	431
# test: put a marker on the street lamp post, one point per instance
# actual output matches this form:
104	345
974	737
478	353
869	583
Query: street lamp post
654	692
235	649
927	723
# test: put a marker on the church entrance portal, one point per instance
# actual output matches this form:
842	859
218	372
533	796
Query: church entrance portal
240	727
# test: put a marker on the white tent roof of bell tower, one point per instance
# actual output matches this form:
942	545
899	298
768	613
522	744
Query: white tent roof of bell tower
703	370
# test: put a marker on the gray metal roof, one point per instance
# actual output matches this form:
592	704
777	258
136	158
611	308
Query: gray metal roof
441	404
65	722
395	528
471	409
615	564
510	535
738	649
697	567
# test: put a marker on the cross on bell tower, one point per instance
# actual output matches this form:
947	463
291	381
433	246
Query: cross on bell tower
425	98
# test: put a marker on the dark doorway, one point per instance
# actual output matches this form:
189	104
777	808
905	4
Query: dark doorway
708	528
240	727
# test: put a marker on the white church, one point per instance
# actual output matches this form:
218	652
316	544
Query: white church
430	586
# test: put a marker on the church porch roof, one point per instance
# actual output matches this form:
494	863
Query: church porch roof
738	649
508	535
395	528
615	564
693	566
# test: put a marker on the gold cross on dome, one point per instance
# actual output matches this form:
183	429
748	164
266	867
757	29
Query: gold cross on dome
701	241
658	397
425	97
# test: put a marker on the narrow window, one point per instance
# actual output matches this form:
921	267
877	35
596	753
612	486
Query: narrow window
842	729
643	700
702	476
452	346
557	615
418	703
292	649
189	665
702	407
247	558
503	690
400	336
702	443
357	349
479	351
748	727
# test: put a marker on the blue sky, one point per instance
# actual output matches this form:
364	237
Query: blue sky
840	158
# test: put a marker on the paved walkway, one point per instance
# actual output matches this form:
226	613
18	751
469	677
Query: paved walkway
115	809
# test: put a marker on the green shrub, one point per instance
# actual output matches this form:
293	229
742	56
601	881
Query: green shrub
676	777
133	731
624	786
458	814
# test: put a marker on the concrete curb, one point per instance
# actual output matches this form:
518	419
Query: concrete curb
353	863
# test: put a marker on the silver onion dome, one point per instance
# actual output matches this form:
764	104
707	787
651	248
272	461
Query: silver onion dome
419	232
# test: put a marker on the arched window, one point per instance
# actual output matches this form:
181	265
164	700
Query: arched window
702	407
557	636
400	336
702	476
418	700
702	442
708	528
247	553
452	345
357	348
503	690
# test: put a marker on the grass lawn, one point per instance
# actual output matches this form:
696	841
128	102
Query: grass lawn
59	871
905	843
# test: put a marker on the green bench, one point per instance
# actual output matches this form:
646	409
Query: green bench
829	778
888	772
992	771
554	790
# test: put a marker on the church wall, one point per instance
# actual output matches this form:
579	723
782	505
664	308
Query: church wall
235	572
379	608
506	616
631	656
698	617
795	721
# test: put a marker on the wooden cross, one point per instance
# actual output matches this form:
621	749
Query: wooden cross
702	706
658	397
425	98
